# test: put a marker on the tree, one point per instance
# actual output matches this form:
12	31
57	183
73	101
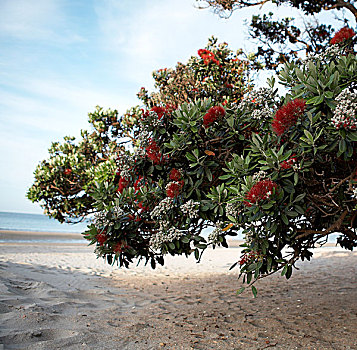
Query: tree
64	180
281	40
281	169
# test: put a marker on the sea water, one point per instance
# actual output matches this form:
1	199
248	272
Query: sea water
39	223
42	223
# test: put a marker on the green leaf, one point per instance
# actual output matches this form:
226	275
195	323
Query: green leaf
309	136
299	74
190	157
240	290
201	246
197	254
185	239
230	121
252	267
208	174
269	263
342	146
352	136
285	269
285	219
254	291
296	178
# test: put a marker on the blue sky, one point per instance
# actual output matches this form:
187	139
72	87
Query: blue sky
61	58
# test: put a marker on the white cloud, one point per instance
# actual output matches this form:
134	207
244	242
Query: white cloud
55	106
35	20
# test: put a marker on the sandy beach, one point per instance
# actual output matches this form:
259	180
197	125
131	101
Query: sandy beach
59	296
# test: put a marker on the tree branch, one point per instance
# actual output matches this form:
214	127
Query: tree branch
336	225
342	4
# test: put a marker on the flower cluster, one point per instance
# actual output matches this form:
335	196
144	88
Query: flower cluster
333	51
117	212
101	238
139	183
175	175
342	35
119	247
162	208
257	103
231	209
212	115
159	111
123	163
173	188
354	193
191	209
289	163
123	183
142	141
288	116
153	152
161	237
261	174
208	56
262	190
100	219
248	258
345	114
152	119
67	171
217	231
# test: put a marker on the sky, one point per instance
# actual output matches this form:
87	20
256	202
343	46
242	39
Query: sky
61	58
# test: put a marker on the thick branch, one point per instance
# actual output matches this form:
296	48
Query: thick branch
343	4
335	226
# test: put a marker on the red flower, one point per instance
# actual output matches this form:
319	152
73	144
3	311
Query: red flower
67	171
260	191
212	115
160	111
287	164
153	152
208	57
175	175
123	183
288	115
173	189
119	247
342	35
247	257
141	206
137	182
101	238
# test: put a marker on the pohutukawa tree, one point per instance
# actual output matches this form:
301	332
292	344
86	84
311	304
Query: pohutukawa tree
283	40
208	151
216	72
63	182
281	170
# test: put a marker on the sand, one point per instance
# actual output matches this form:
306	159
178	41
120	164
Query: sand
59	296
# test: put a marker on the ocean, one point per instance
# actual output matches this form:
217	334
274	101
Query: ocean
37	223
40	223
